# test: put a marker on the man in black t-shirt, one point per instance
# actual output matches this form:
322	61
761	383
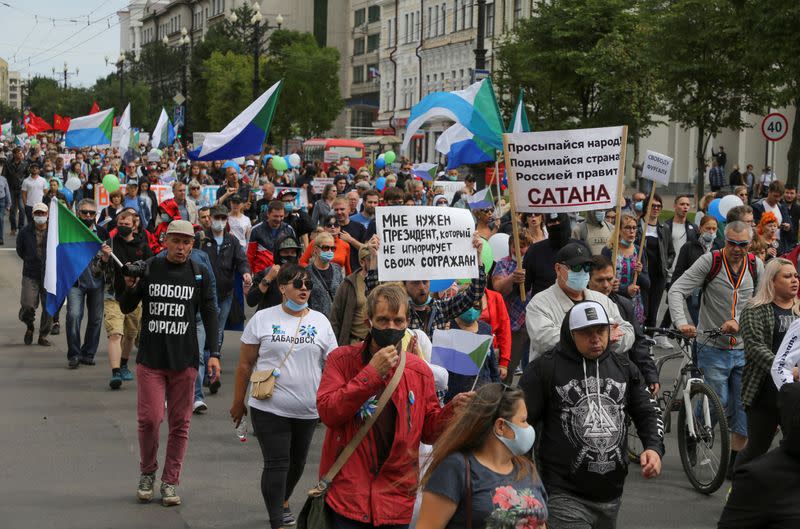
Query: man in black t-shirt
172	291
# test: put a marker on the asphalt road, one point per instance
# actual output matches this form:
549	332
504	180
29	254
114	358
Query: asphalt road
70	454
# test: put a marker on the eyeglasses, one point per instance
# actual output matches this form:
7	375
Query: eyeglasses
629	228
300	283
87	212
738	244
656	206
326	248
332	225
585	267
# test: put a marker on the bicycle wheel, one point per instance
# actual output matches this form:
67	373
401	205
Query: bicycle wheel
705	457
635	447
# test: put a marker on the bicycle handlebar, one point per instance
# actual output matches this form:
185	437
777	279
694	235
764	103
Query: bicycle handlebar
674	333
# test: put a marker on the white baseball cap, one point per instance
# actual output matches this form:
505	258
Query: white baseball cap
40	207
587	314
250	163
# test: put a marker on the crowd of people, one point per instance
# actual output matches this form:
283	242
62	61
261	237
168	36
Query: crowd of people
328	342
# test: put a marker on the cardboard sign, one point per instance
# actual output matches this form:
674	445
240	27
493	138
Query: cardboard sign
425	242
657	167
565	171
319	184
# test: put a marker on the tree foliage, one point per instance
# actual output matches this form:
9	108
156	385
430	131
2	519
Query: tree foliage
228	79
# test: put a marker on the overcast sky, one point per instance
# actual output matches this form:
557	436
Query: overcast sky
39	35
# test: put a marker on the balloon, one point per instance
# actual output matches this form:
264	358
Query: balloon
231	163
266	158
288	162
727	203
278	163
713	210
294	158
487	257
380	183
382	156
34	141
380	163
111	183
437	285
499	245
67	194
73	183
390	156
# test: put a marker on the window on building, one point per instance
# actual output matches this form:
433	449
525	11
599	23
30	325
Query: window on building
463	13
517	11
358	47
373	73
434	21
428	25
455	16
490	20
373	42
405	30
443	20
374	13
471	13
358	74
418	34
359	16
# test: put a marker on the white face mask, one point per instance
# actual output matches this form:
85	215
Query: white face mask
218	225
40	220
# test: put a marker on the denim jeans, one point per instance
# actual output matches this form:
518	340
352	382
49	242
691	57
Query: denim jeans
722	370
224	311
201	369
2	223
94	305
17	210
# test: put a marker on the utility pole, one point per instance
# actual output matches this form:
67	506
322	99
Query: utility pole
480	50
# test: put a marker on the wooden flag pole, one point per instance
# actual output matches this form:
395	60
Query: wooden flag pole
514	221
258	163
620	192
644	231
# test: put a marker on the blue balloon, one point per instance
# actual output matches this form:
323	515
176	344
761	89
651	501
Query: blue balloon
380	163
713	210
380	183
437	285
67	192
266	159
288	161
231	163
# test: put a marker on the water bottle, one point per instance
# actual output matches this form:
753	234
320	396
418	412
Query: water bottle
241	430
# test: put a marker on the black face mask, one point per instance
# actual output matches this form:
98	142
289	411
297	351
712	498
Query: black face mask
88	222
124	231
284	259
388	336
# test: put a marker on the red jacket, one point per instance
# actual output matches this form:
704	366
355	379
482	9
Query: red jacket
357	493
496	315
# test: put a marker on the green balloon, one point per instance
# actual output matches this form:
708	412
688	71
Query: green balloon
278	163
390	156
34	141
111	183
487	256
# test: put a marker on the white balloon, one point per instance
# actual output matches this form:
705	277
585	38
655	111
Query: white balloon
499	245
294	159
73	183
729	202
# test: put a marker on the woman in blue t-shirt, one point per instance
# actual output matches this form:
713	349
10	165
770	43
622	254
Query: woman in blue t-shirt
479	476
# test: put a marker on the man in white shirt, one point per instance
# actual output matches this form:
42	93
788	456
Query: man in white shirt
682	230
546	310
33	189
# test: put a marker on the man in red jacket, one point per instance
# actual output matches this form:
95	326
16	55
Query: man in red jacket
376	487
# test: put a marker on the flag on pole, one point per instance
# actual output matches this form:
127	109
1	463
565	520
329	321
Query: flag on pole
245	135
7	128
95	108
164	133
519	121
426	171
462	147
125	132
70	248
481	199
60	123
460	351
92	130
34	124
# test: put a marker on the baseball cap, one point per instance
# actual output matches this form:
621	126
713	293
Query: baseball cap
573	254
40	206
236	198
180	227
250	163
219	211
587	314
289	243
286	193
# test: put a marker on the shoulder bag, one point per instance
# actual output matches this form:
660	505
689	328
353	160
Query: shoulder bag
263	382
314	514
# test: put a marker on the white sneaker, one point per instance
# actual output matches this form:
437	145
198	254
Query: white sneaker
199	407
664	343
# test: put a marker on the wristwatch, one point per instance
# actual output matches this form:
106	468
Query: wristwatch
218	356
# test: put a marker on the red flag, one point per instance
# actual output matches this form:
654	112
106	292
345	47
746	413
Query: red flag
115	121
95	108
60	123
34	124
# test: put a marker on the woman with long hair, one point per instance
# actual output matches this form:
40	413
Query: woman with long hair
629	264
479	475
764	323
323	206
534	227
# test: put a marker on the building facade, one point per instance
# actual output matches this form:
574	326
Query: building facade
16	87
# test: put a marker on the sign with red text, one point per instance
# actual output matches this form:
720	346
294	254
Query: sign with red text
564	171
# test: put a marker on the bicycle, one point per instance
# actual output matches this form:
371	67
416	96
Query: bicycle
703	441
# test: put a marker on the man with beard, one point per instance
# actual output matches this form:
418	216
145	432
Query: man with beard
371	200
540	259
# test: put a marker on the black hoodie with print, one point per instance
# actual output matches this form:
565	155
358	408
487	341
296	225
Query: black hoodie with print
583	447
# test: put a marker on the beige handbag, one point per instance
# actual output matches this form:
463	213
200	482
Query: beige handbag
263	382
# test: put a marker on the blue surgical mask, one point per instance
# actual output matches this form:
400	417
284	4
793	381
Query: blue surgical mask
600	216
288	207
326	256
294	306
638	206
523	440
577	281
624	242
424	304
708	237
470	315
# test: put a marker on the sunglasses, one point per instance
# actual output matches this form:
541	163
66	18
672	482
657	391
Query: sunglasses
738	244
332	225
300	283
87	212
656	206
326	248
585	267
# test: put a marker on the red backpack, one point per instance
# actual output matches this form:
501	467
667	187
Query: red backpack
716	266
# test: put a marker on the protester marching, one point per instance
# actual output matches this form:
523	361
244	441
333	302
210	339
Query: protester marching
476	351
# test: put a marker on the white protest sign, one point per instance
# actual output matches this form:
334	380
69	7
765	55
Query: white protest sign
425	242
319	183
657	167
564	171
450	188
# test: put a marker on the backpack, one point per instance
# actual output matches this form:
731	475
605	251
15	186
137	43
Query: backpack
716	266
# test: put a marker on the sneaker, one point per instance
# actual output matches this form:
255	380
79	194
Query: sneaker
55	330
29	335
73	363
664	343
168	495
44	342
125	373
199	407
214	386
86	360
288	517
115	382
518	371
145	490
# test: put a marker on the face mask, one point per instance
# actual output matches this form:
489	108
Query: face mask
88	222
470	315
48	173
424	304
165	217
625	242
387	337
708	237
638	206
523	439
284	259
295	307
452	177
326	257
391	184
288	207
40	220
600	216
202	171
124	231
577	281
218	225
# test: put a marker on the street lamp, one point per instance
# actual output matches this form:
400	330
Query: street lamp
260	24
67	72
184	42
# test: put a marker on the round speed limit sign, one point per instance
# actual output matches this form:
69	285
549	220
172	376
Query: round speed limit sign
774	127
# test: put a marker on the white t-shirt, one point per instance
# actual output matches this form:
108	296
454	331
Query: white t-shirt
35	190
775	209
240	228
274	330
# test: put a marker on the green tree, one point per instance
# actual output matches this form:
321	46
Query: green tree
9	113
698	47
160	68
106	91
229	78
